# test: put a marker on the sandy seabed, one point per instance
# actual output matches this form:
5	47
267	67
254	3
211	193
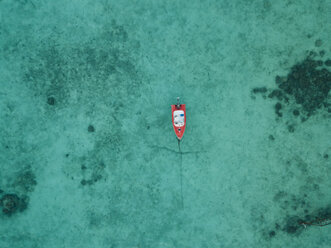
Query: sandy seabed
88	156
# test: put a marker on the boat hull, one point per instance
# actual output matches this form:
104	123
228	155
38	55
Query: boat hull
179	119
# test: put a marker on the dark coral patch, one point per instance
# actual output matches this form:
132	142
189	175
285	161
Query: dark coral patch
292	226
51	100
308	85
90	129
278	107
290	128
11	204
318	43
26	181
305	89
272	234
259	90
276	94
322	53
86	182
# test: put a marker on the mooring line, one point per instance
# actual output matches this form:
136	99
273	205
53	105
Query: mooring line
181	175
180	164
174	151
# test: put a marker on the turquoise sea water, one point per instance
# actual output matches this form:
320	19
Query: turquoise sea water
88	155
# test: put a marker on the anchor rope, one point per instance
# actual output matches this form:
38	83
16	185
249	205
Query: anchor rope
181	174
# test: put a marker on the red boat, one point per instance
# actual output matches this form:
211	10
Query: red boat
179	118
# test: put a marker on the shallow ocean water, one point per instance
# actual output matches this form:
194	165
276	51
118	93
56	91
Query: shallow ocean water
88	155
